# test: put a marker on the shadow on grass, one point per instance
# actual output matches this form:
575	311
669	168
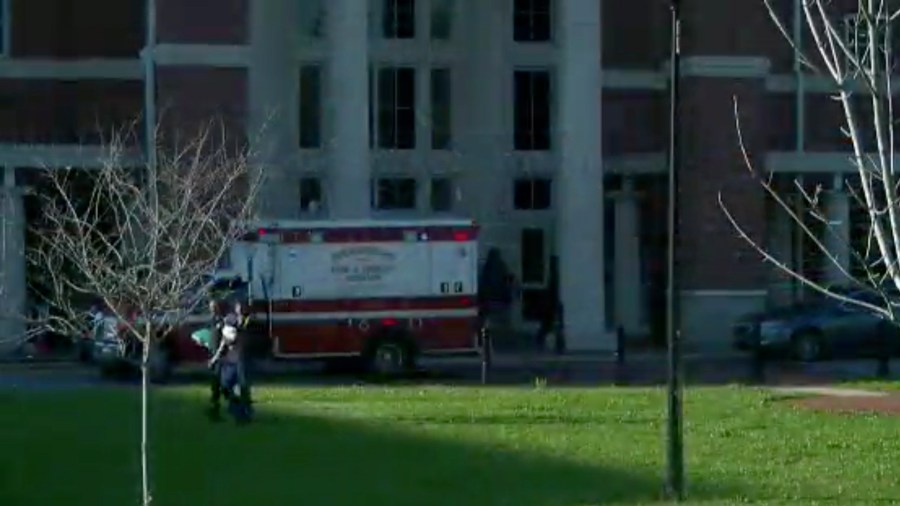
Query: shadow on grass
80	448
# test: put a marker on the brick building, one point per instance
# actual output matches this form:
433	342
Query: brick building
546	120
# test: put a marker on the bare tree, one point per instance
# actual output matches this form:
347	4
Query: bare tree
137	240
855	53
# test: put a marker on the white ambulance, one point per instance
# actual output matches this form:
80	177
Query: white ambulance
385	291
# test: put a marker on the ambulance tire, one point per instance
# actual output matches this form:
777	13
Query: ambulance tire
390	355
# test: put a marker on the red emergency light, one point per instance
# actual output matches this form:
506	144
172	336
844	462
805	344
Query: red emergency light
261	232
461	236
389	322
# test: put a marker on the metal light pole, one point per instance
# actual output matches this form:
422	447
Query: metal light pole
675	447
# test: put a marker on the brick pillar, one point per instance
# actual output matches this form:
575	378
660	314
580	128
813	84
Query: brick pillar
720	276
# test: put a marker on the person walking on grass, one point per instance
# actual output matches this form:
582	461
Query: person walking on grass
216	323
230	364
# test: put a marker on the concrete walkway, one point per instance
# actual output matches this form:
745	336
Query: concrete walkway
827	391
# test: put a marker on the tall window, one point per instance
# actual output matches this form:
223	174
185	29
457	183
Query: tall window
533	259
5	21
310	113
532	20
394	193
532	110
399	19
441	19
397	108
441	119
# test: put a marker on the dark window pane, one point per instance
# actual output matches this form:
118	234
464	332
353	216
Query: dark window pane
396	193
406	129
406	87
540	31
522	109
521	27
399	19
532	251
532	194
310	107
3	21
310	194
441	194
532	20
531	110
441	119
396	108
372	108
386	108
522	194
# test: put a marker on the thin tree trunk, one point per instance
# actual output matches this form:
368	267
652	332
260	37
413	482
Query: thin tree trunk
145	387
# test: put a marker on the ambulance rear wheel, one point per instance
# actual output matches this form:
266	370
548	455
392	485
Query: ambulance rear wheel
389	357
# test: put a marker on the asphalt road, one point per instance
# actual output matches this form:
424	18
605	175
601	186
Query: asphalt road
524	371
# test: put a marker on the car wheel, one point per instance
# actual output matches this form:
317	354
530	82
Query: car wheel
389	357
807	346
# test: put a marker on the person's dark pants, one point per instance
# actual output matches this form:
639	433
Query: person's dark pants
545	328
231	375
215	388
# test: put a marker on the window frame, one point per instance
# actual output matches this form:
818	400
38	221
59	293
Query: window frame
532	140
531	13
305	209
441	139
390	20
532	181
376	203
391	139
6	26
301	106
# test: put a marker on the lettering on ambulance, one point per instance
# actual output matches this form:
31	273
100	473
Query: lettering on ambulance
362	264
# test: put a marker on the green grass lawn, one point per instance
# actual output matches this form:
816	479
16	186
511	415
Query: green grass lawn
440	446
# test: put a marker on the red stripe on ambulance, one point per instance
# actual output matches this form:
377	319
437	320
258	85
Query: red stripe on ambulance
369	304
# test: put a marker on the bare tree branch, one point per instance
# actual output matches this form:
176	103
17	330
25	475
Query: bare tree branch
846	63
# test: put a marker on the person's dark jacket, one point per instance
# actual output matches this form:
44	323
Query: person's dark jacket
236	352
495	287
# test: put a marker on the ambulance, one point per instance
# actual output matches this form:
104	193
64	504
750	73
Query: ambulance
375	292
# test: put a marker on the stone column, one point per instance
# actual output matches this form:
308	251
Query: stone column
781	245
837	234
13	291
627	276
273	101
580	188
349	171
484	87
